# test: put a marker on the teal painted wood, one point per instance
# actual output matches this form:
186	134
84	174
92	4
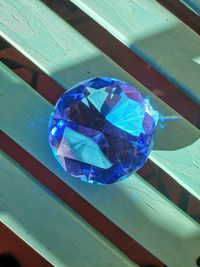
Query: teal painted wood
194	5
155	34
68	58
49	226
141	211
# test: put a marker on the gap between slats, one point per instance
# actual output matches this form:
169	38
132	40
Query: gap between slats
183	13
102	224
194	5
88	44
69	54
132	63
154	34
45	223
150	172
77	187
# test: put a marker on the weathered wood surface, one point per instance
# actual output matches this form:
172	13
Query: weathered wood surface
155	34
141	211
49	226
64	54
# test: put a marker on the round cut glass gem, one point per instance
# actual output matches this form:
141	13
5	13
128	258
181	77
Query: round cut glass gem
102	130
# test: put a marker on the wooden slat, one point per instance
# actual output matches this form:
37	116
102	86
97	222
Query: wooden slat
68	58
141	211
76	202
153	33
194	5
49	226
183	12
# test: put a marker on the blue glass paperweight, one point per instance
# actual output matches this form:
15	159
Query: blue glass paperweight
102	130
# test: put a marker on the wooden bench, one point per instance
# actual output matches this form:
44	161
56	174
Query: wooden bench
40	218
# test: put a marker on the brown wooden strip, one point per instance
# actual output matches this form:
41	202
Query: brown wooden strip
183	13
159	179
10	243
130	61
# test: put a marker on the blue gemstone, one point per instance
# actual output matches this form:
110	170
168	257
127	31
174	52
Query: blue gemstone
102	130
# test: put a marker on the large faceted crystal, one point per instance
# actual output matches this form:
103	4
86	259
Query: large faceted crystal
102	130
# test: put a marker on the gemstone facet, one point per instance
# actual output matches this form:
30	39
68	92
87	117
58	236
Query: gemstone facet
102	130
